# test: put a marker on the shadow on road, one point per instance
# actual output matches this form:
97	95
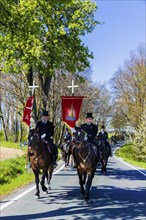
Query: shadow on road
104	204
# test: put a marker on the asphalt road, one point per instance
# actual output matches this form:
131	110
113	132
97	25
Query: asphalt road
120	195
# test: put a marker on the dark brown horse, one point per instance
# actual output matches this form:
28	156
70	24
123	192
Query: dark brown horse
86	160
104	154
40	155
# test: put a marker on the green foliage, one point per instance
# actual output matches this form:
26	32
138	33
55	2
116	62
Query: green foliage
10	169
128	153
2	135
13	174
10	144
45	35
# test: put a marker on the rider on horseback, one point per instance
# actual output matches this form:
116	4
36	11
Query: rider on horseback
67	136
91	130
103	136
46	131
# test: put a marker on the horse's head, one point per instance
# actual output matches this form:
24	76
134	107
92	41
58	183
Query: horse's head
80	137
33	138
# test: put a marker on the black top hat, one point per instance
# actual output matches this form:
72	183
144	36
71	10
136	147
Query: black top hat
89	115
45	113
102	127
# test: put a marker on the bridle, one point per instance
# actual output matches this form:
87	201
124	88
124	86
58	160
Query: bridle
37	146
82	145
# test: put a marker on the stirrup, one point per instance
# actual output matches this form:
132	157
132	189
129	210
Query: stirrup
28	166
55	164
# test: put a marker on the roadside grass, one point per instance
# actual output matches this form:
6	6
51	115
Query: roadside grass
10	144
127	153
13	175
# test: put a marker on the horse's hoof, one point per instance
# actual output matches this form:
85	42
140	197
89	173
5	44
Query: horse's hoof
37	197
86	201
44	188
82	193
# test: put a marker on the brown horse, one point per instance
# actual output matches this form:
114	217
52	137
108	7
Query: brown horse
86	160
104	154
40	155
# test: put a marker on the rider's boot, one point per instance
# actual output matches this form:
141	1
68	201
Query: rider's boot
55	164
110	152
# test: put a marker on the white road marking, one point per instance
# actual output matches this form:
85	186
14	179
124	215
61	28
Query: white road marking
24	193
134	168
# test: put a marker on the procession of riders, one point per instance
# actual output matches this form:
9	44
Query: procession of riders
46	132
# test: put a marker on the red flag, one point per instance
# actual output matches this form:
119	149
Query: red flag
28	110
71	106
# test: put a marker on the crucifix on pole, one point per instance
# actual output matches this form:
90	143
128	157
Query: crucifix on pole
33	87
72	87
33	106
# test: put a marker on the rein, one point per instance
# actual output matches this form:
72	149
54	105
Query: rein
82	146
85	159
36	159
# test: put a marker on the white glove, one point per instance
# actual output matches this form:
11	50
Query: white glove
43	136
85	138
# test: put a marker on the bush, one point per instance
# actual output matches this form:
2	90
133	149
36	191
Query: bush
2	136
9	169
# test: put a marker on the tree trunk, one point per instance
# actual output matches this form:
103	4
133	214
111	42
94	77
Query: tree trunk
16	129
29	77
4	126
21	132
61	136
45	83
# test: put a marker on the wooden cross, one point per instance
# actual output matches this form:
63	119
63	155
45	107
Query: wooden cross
33	87
72	86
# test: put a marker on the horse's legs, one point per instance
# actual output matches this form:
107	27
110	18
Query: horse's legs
49	179
104	164
88	185
71	160
36	173
81	182
44	188
68	158
65	158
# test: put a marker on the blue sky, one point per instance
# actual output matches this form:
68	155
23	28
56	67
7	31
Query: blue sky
123	31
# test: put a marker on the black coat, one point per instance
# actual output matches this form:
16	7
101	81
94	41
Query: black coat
45	128
91	131
103	136
67	136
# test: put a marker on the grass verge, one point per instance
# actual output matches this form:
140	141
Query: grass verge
13	175
127	153
10	144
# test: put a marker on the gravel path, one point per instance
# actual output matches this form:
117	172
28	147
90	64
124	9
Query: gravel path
7	153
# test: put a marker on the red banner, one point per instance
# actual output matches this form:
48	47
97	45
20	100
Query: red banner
28	110
71	106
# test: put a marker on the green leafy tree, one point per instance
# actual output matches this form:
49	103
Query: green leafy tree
40	36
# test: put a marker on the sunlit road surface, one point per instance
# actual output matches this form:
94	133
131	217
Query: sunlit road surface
120	195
